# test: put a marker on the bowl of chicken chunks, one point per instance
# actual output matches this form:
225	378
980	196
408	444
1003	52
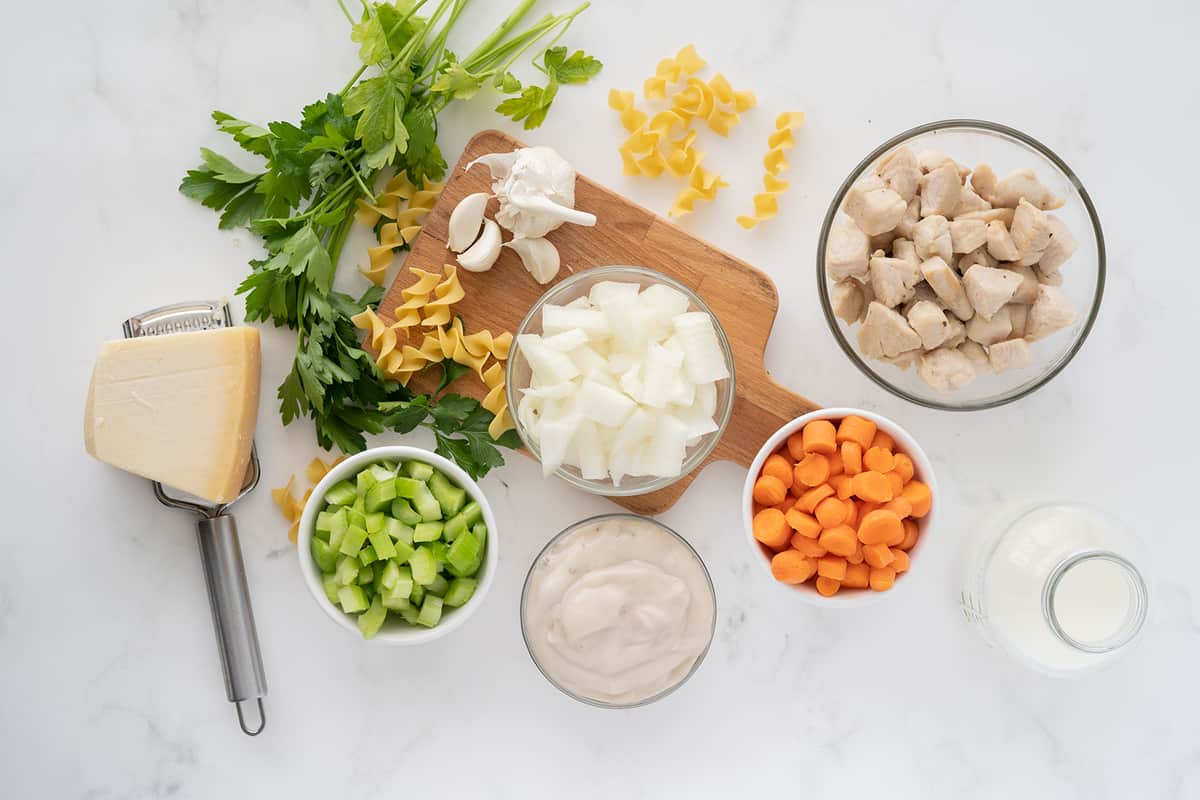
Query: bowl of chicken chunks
961	265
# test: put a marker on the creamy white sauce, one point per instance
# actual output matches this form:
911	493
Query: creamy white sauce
618	611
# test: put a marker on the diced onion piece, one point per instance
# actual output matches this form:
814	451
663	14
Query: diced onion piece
593	464
566	341
603	404
703	360
588	360
706	398
548	365
665	454
557	319
631	383
661	373
606	292
554	435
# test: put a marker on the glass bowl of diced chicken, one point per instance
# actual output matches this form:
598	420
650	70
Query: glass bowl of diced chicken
620	380
961	265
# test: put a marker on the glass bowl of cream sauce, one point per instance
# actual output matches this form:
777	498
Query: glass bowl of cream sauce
618	611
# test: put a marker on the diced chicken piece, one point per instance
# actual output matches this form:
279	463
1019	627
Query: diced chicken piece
921	292
847	300
1000	244
884	333
1049	313
904	360
945	369
900	173
931	237
882	241
1030	232
869	182
930	323
1027	292
1018	318
949	289
968	234
1004	215
1048	278
846	253
929	160
989	288
912	215
874	210
988	331
1061	248
941	190
1010	354
976	355
983	181
957	332
970	201
1024	183
893	279
905	250
979	255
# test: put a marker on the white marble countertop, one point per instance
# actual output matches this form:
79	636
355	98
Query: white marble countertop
109	684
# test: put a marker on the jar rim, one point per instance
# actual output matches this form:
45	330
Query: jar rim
1128	630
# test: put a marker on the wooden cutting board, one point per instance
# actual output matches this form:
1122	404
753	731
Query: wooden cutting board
744	299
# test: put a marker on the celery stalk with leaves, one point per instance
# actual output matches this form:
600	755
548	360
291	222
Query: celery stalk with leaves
301	203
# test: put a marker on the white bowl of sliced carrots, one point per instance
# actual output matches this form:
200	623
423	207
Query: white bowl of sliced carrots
837	506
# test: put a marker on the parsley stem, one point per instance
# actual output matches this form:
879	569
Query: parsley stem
358	178
345	12
503	30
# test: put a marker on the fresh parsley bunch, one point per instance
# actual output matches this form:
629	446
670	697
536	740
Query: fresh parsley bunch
302	205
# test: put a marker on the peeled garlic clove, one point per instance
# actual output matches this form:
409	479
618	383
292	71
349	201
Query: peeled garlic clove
480	256
539	256
465	221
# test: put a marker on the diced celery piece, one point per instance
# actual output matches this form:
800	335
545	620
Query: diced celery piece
353	541
424	566
337	531
331	586
426	505
324	522
365	575
367	555
356	517
374	522
364	481
439	585
396	603
372	620
480	530
389	465
417	469
401	591
417	595
382	544
404	582
358	505
464	556
427	532
341	494
408	487
380	496
455	526
323	555
449	497
352	599
389	575
473	512
346	571
404	551
438	549
398	530
460	591
381	472
410	614
404	512
431	611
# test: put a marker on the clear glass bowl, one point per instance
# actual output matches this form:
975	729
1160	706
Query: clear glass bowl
518	376
566	532
970	142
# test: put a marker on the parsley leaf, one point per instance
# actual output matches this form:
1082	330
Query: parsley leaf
531	105
379	104
250	137
307	256
579	68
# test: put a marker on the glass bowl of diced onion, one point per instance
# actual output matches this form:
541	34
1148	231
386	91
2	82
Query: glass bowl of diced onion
653	460
969	143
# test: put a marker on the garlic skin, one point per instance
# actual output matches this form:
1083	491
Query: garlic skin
465	221
539	256
480	256
536	190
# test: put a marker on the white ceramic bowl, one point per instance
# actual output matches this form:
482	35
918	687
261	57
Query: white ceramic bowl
395	631
923	471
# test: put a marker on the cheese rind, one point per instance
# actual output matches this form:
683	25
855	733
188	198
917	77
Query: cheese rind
178	408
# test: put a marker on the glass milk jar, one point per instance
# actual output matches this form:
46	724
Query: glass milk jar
1058	589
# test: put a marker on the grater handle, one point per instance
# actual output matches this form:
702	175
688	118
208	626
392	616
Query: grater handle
233	618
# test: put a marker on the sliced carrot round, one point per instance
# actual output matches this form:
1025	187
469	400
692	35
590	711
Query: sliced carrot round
804	524
900	560
813	470
828	587
791	566
873	486
808	547
899	506
858	576
854	428
879	459
831	567
880	527
841	541
910	535
920	496
877	555
769	491
810	499
795	446
771	528
905	466
883	440
852	454
820	436
882	578
831	512
778	467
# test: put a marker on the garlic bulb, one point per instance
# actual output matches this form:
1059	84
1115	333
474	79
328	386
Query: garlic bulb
536	190
480	256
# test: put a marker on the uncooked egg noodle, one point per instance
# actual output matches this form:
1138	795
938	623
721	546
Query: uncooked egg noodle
766	203
404	225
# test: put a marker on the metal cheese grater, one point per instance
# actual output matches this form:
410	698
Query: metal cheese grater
216	530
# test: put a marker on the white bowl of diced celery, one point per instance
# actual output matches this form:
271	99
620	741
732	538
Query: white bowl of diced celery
397	545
